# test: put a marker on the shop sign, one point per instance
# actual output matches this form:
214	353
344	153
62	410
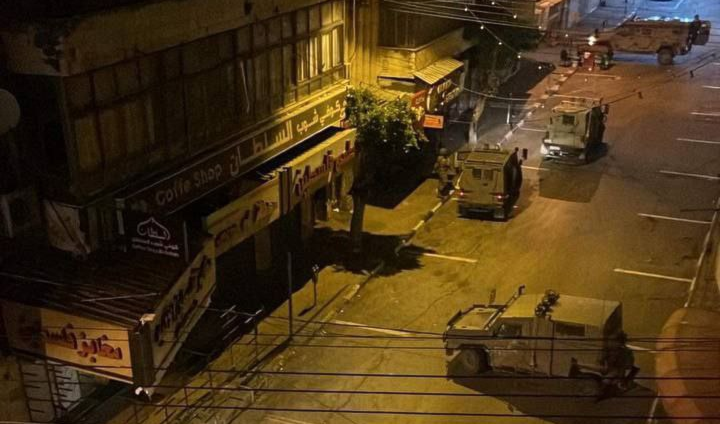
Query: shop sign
95	346
434	121
197	179
443	93
182	306
154	234
244	217
417	104
317	169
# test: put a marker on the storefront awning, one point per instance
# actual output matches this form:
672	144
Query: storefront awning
438	70
688	365
122	315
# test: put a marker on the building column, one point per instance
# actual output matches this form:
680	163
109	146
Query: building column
263	249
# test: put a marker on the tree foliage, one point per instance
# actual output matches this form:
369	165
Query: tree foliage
385	132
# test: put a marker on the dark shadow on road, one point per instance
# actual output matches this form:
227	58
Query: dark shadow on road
537	396
568	182
333	249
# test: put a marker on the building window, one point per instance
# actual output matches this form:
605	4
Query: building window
262	100
336	48
89	158
569	330
165	105
302	60
313	57
301	18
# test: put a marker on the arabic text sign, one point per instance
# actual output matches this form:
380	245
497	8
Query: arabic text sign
182	306
315	169
227	164
162	236
99	346
434	121
244	217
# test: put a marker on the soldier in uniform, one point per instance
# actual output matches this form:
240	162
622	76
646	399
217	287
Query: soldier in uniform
695	26
442	169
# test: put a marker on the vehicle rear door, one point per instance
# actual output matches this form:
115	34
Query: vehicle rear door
703	35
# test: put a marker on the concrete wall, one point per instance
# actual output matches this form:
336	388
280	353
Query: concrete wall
13	405
72	46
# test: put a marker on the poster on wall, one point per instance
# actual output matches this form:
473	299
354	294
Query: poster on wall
63	227
95	346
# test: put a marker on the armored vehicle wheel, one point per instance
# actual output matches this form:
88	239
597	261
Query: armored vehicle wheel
473	360
665	56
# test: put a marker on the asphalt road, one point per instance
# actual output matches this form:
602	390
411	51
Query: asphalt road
576	229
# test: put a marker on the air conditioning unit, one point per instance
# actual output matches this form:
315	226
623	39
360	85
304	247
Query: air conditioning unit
18	212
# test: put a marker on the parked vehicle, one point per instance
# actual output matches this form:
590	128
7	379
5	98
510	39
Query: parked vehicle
666	37
490	181
550	333
575	130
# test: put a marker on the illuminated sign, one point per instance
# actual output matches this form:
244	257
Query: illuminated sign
95	346
194	181
316	168
244	217
434	121
182	306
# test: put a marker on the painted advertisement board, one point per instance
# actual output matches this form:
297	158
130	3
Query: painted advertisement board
244	217
182	307
95	346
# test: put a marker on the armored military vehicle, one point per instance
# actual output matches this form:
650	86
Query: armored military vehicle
575	130
490	181
551	334
666	37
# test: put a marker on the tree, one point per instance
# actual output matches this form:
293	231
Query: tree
385	134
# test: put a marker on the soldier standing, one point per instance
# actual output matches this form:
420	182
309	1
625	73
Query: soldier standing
695	26
442	169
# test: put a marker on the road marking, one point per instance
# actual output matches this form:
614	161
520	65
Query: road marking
658	276
695	140
376	329
533	168
712	87
531	129
672	218
714	114
450	258
684	174
599	75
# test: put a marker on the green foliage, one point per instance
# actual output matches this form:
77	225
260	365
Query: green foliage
385	132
